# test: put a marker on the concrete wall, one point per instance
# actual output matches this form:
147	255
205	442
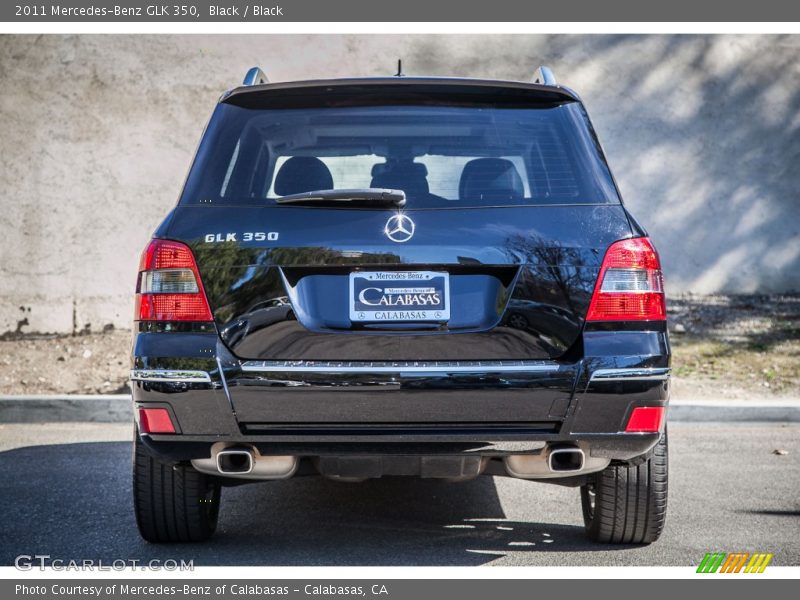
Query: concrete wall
703	133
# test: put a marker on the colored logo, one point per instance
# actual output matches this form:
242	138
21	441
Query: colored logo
734	562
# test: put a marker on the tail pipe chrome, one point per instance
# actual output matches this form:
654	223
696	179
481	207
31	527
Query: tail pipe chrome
235	461
554	462
245	462
566	460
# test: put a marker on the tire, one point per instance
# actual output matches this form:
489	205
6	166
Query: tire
172	502
627	504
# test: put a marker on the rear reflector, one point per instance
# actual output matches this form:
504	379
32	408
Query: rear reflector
169	287
646	419
630	286
155	420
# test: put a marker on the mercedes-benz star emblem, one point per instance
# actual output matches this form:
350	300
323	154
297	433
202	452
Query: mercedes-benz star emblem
399	228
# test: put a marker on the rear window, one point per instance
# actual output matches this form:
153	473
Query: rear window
440	156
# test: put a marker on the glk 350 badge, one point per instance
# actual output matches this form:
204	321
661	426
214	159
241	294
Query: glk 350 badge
247	236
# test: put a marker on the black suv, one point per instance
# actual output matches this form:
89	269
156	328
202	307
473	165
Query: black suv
429	277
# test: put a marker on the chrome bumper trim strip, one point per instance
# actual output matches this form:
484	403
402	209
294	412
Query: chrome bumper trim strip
646	374
411	367
170	376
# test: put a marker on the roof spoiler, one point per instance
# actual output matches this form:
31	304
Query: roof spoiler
543	76
256	90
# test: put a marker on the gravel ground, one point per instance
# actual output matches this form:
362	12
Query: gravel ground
733	347
95	363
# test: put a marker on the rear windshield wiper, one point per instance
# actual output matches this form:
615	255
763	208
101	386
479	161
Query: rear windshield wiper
365	196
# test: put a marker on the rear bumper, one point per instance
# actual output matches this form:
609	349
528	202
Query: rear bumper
488	408
618	446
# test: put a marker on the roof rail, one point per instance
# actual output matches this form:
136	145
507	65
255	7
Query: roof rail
255	76
544	76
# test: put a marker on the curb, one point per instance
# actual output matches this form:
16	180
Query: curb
110	408
785	411
116	408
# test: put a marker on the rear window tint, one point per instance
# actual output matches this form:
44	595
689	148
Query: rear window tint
441	156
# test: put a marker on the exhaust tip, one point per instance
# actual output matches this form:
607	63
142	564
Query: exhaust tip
235	460
566	460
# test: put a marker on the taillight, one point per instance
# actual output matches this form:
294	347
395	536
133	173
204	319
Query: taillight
646	419
630	286
169	286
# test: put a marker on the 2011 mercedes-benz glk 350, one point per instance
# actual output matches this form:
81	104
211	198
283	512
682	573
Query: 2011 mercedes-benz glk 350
400	276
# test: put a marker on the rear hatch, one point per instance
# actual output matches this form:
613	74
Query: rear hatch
515	282
488	267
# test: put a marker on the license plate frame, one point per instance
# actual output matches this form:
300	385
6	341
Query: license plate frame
417	287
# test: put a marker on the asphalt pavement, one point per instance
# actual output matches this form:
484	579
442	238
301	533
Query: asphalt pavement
66	493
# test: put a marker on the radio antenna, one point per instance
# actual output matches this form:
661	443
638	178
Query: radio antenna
399	68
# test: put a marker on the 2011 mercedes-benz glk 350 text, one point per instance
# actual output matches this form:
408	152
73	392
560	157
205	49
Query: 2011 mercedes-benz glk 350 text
400	276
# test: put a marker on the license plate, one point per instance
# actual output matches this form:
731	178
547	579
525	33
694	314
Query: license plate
379	296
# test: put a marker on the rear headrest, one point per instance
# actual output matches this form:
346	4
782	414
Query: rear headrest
404	175
490	179
302	174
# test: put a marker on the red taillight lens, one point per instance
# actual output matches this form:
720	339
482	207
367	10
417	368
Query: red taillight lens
165	254
155	420
630	286
169	287
646	419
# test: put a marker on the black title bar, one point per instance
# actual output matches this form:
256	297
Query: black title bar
200	11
